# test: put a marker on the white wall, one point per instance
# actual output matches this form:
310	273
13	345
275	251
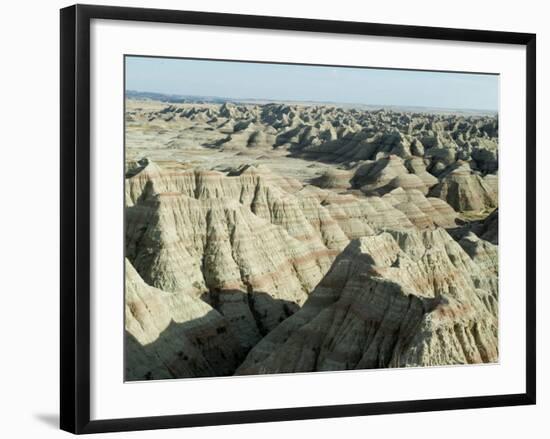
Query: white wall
30	204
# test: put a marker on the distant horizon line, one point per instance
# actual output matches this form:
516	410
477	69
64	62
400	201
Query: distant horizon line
249	100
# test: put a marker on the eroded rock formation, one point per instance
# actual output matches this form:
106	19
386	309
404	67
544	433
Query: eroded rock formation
286	238
399	298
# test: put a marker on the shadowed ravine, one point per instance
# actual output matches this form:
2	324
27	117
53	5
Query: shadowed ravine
213	345
287	238
365	313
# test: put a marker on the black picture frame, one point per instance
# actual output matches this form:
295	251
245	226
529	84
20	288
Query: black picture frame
75	217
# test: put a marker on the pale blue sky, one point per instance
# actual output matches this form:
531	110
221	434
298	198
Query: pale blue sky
240	80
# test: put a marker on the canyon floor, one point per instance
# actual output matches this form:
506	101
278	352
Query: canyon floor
281	238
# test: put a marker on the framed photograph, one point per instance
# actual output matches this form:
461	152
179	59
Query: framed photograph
273	218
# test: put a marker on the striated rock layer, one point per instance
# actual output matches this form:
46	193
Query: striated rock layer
467	191
174	335
374	244
399	298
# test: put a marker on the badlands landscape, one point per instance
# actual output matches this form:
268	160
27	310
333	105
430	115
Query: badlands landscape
291	237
